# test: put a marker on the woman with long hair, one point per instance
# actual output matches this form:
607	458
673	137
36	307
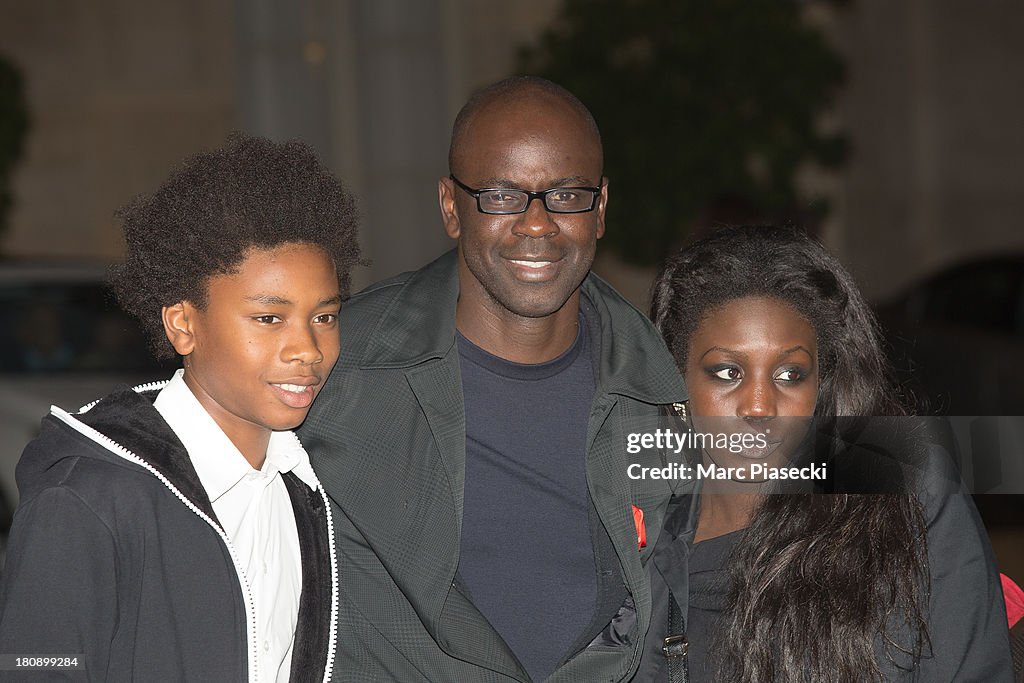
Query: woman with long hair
750	583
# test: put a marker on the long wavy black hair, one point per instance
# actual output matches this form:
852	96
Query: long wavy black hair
821	585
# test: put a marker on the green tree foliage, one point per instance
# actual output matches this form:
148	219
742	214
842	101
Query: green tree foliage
703	105
13	126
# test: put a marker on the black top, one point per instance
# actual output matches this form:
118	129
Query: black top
698	578
708	591
527	558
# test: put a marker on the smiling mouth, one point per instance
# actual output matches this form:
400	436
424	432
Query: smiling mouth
297	396
295	388
538	269
531	264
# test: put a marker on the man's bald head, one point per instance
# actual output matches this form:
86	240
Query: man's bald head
510	92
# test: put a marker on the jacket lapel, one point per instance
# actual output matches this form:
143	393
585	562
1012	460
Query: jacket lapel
464	633
437	386
631	364
459	628
610	491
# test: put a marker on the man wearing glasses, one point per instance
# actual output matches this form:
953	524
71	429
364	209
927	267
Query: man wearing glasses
472	435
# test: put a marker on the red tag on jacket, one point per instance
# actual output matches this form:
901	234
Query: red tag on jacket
641	531
1014	597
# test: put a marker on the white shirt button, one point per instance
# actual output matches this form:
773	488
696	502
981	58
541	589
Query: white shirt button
266	646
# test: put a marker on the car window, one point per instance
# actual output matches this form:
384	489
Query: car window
69	327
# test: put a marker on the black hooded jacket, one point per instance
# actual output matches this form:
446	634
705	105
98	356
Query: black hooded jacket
116	554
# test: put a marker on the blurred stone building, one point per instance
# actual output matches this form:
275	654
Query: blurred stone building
120	91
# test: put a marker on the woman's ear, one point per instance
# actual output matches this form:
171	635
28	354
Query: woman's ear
178	325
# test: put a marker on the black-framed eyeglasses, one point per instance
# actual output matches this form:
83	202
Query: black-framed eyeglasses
504	200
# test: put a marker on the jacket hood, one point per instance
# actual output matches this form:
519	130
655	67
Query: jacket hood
113	430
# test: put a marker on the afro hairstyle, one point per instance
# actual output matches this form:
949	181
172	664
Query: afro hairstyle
250	193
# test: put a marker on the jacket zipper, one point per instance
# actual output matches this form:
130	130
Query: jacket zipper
148	386
119	450
335	587
335	581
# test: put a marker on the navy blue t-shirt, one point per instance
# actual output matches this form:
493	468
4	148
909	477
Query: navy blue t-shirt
527	556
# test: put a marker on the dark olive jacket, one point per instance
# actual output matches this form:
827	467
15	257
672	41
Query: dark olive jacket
387	438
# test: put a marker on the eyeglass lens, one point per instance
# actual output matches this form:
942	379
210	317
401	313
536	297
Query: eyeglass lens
558	200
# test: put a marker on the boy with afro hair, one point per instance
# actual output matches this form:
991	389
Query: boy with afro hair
176	531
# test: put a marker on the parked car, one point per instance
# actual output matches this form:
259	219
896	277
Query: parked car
957	337
64	343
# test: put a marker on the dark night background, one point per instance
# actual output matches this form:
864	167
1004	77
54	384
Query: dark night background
889	129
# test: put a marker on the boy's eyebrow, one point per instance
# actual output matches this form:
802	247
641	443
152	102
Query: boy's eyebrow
272	300
268	300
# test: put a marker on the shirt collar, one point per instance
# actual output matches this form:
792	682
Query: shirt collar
218	462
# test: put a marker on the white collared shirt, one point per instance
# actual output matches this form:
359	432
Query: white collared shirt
256	512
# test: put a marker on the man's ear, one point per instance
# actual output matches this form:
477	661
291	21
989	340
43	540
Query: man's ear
449	214
178	321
